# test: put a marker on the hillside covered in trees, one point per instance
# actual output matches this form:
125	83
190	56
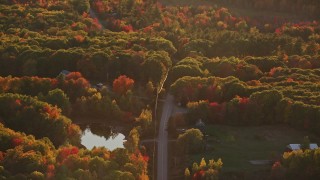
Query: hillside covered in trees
67	62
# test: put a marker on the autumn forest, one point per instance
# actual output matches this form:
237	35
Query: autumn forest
199	89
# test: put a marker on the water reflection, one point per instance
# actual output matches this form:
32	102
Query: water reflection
101	136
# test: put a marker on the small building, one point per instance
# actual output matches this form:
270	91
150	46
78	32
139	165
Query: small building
180	130
99	85
294	147
64	72
201	126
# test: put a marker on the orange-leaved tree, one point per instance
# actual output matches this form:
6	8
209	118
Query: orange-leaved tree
122	84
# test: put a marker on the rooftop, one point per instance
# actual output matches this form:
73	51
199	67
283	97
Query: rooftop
298	146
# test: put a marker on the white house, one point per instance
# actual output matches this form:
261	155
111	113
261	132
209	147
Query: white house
294	147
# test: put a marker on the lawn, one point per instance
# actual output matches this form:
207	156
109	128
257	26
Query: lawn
236	146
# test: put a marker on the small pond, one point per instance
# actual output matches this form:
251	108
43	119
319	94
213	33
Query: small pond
101	136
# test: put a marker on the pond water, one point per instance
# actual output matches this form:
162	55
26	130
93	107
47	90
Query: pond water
101	136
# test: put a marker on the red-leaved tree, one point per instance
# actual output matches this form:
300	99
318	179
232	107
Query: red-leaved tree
122	84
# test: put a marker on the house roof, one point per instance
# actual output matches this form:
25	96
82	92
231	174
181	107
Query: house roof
314	146
298	146
200	123
65	72
294	146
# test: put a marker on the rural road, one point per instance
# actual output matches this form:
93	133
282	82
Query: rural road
162	172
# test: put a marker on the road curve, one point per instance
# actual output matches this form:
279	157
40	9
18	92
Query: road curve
162	172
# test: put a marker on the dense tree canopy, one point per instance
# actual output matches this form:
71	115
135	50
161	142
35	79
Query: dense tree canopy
225	67
29	115
297	164
24	157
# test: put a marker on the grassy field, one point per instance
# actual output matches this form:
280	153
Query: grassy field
238	145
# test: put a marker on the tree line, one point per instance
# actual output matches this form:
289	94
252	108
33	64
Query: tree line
26	157
302	7
231	101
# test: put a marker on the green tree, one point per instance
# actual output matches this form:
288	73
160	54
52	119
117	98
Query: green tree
133	139
145	119
187	174
150	89
126	176
81	6
197	110
184	70
98	165
301	164
161	44
306	143
36	175
59	98
191	141
121	156
38	118
265	103
156	65
195	167
203	164
18	160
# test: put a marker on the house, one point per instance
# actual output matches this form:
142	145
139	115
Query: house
200	125
64	72
294	147
99	86
180	130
